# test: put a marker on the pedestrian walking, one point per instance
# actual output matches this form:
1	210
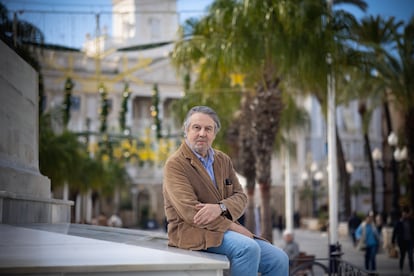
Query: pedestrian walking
368	240
353	223
403	234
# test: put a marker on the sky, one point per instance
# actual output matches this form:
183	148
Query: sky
57	21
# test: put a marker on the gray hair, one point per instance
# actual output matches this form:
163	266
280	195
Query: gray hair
205	110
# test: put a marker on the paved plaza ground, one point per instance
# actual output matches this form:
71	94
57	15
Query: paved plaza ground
316	243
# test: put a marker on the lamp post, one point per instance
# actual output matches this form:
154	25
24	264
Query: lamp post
377	157
395	208
349	167
316	181
305	178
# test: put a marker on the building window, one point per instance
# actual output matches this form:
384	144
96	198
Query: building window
75	103
141	108
155	28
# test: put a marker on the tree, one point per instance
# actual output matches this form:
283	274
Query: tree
397	72
390	46
262	40
246	157
236	38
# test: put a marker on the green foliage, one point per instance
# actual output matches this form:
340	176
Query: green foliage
216	101
59	155
124	107
104	111
69	84
64	159
358	188
155	111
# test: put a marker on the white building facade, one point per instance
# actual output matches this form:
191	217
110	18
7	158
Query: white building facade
113	60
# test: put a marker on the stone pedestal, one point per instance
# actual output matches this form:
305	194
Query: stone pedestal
25	194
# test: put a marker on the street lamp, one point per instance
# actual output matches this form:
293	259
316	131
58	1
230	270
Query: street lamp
377	156
395	209
318	176
349	167
400	154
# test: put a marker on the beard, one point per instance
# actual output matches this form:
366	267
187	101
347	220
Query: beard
201	148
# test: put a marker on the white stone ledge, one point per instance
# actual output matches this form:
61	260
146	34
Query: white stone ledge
36	252
5	194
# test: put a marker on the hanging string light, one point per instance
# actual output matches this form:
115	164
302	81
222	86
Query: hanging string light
155	111
103	114
69	84
124	107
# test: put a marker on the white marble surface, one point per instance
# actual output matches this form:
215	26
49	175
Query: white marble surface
36	251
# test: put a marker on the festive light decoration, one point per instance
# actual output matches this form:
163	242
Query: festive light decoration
155	111
124	107
104	111
69	84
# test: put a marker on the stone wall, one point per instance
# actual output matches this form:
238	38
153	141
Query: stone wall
25	194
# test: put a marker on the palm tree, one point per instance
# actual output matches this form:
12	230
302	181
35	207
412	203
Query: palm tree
375	34
246	157
397	72
261	40
391	44
60	155
237	38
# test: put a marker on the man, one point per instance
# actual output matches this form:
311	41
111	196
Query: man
203	200
403	234
368	239
353	223
291	247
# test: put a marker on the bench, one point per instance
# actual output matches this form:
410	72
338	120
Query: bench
302	264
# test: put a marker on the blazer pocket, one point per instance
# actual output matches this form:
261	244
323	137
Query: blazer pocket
229	190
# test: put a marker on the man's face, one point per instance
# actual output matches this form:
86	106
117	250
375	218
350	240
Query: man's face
200	133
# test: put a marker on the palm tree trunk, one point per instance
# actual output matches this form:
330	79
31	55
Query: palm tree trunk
344	178
265	211
247	158
372	170
267	108
396	188
409	119
250	222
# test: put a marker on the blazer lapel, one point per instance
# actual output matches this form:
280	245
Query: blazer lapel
204	177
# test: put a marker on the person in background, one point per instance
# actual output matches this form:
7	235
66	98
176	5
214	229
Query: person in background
353	223
367	234
102	219
403	234
291	247
115	220
203	200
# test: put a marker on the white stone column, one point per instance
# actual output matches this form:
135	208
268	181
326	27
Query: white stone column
78	208
288	192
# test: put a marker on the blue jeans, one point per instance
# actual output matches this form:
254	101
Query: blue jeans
370	257
248	256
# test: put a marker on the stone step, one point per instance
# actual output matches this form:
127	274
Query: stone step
31	251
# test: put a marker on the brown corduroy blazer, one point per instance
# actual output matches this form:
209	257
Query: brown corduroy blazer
187	183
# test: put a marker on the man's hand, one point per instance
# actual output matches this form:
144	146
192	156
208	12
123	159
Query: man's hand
240	229
206	213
